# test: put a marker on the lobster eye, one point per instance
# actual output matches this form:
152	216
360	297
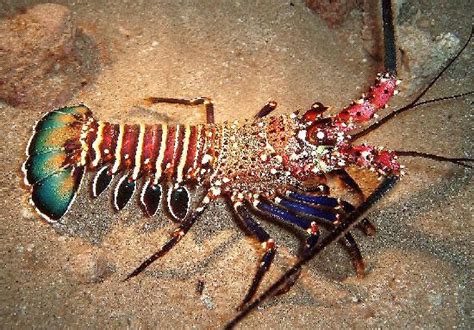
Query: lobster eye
316	111
320	134
315	135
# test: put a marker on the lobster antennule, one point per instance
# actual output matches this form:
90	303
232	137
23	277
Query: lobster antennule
56	158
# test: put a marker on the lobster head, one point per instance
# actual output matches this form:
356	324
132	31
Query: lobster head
321	145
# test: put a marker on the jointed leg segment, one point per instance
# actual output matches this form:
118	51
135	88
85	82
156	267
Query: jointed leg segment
253	228
207	102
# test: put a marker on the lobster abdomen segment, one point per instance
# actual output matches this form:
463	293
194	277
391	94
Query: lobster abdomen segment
172	153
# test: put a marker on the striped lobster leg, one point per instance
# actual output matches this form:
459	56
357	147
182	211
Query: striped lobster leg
207	102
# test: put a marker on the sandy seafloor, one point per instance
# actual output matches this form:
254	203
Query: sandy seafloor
243	53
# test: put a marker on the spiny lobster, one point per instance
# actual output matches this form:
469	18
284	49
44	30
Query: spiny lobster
270	167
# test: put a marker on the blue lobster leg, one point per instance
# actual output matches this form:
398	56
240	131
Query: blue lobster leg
273	211
249	224
298	206
318	199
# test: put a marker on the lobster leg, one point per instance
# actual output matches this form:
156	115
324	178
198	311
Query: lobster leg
348	241
333	236
177	235
352	248
207	102
253	228
273	211
367	227
267	109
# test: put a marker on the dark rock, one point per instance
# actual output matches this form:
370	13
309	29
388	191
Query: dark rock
44	57
334	12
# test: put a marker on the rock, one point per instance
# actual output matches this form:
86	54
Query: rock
333	12
423	56
40	61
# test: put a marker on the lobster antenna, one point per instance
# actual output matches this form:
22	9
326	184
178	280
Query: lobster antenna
413	104
390	58
458	161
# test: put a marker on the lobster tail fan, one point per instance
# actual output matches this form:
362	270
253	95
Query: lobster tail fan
53	195
55	163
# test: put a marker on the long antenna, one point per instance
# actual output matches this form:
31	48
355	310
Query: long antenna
390	59
414	103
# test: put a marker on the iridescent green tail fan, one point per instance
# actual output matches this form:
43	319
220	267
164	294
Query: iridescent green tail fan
56	159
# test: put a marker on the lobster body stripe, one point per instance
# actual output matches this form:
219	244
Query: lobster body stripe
138	152
129	146
96	144
184	153
110	136
200	145
177	151
118	149
89	131
193	145
161	154
170	149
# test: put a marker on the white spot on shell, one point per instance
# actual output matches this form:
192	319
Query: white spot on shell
302	135
206	159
